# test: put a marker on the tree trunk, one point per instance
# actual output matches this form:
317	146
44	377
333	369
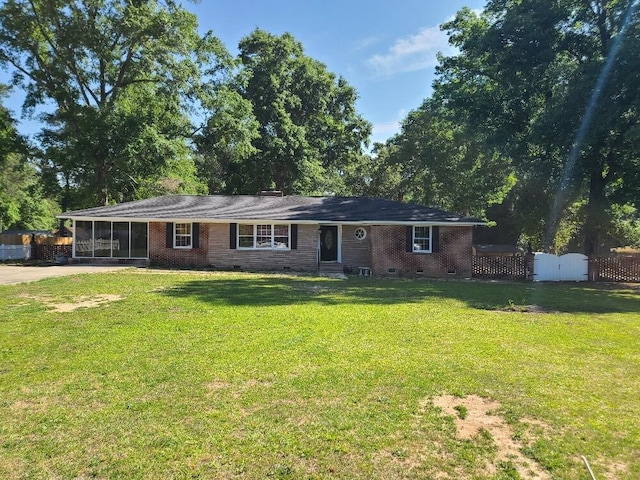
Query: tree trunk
65	201
102	191
596	217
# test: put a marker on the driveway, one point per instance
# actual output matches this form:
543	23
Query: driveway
10	274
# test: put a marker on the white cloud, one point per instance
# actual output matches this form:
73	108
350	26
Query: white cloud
382	131
365	42
476	11
386	128
412	53
415	52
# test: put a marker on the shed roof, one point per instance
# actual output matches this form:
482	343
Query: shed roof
293	208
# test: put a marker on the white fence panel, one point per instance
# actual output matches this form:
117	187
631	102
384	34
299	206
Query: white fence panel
546	267
15	252
572	267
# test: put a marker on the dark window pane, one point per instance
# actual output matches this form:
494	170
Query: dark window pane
139	242
83	238
120	244
102	239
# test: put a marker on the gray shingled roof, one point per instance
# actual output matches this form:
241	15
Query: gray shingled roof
288	208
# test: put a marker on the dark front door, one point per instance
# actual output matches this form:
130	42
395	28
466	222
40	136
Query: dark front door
328	243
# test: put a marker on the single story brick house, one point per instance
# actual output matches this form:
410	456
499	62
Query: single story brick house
275	232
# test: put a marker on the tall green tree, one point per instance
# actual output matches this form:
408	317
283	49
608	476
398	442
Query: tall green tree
375	175
446	163
121	77
308	128
225	141
525	78
22	204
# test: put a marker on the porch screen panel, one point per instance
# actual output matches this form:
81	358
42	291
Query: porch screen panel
83	238
139	241
120	243
102	239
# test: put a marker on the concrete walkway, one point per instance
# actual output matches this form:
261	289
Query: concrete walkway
10	274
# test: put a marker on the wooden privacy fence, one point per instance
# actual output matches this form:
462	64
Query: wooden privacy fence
600	269
33	247
27	239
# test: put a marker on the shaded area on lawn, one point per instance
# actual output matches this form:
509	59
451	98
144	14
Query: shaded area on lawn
267	290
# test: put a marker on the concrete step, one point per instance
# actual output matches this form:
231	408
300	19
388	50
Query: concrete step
331	268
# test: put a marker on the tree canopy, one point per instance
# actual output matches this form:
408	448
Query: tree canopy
120	77
22	205
137	103
296	123
532	124
444	163
515	96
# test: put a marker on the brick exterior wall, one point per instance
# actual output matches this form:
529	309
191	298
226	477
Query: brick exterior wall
355	253
382	250
453	259
304	258
159	254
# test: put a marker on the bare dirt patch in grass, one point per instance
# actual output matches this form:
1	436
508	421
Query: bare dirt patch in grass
75	303
472	415
236	390
39	404
217	385
606	470
23	405
85	302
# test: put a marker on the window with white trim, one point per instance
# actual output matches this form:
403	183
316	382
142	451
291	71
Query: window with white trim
182	235
422	239
246	236
264	236
281	236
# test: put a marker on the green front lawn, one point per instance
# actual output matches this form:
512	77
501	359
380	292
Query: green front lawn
223	375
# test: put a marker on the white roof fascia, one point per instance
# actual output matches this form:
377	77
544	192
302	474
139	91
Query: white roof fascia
257	220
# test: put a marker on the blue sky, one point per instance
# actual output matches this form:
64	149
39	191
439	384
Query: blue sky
386	50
